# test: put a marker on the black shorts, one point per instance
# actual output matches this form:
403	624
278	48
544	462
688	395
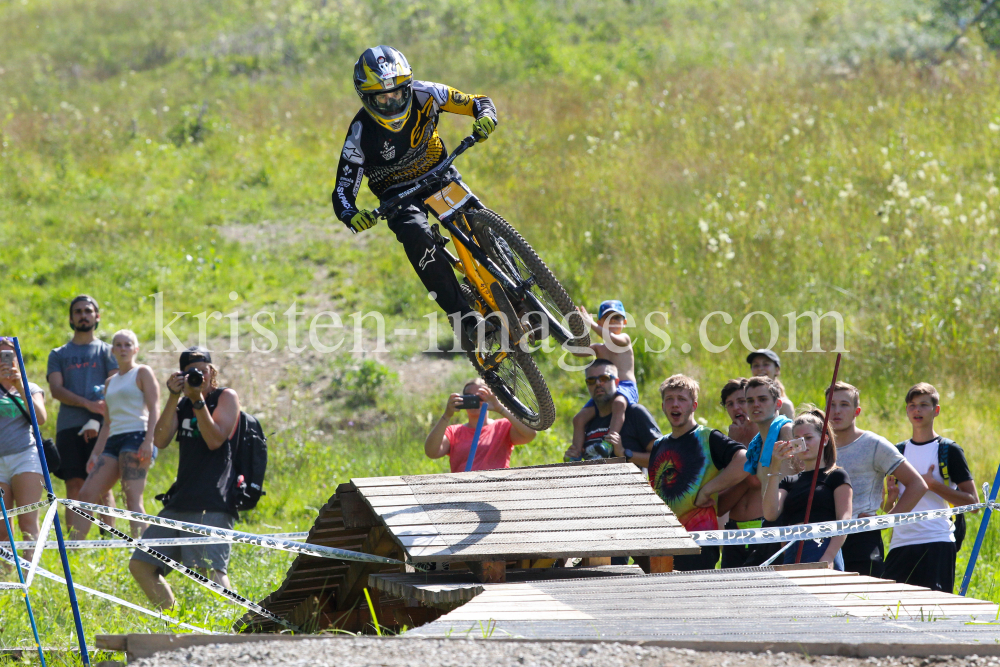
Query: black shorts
706	560
747	555
864	553
74	452
930	565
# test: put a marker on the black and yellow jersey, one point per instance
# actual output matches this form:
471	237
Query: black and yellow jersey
390	158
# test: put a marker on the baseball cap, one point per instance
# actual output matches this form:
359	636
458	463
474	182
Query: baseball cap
610	306
193	355
766	353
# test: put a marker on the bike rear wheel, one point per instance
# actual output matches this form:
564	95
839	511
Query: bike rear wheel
511	252
515	378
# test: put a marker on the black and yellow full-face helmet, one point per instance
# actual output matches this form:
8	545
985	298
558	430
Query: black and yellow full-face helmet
384	82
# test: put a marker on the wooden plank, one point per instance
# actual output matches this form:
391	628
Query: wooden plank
458	540
460	516
370	482
655	564
544	550
554	524
567	504
486	499
581	483
568	615
521	473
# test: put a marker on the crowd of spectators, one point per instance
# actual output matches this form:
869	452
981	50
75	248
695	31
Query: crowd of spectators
758	473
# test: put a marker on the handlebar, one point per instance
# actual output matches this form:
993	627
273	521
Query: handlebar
387	206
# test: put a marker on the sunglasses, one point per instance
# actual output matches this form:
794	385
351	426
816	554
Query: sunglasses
591	381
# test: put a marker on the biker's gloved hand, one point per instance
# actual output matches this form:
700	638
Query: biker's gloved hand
363	220
483	127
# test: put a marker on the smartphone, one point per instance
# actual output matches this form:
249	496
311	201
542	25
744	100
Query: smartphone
7	358
798	445
470	402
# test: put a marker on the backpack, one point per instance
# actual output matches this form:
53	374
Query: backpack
249	464
944	444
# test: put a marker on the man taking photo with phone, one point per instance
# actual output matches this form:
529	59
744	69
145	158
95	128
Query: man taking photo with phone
496	441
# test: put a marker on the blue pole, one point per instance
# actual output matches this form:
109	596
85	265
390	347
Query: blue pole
475	438
979	536
17	564
84	655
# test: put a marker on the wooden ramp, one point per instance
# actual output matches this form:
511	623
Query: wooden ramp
724	610
562	511
485	521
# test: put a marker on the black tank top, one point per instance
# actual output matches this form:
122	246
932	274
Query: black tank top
204	475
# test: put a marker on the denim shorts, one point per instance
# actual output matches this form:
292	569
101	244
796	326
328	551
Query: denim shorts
125	442
626	388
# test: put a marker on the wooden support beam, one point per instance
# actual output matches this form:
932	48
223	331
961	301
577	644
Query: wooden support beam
489	571
380	543
596	562
655	564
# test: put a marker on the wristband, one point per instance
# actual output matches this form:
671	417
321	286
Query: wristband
173	393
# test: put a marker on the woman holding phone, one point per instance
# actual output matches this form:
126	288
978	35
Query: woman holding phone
124	448
785	502
20	468
498	437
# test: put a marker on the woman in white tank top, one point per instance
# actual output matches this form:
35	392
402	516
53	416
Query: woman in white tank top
124	449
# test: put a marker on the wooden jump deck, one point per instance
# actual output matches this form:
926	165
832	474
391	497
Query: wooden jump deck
563	511
743	609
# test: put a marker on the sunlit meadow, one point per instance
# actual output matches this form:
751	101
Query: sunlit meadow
685	157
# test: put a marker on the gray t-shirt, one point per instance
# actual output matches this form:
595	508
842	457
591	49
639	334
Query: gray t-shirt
84	369
15	431
867	461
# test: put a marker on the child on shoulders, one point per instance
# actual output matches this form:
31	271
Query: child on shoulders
617	349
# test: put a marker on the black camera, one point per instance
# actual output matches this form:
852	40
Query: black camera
194	377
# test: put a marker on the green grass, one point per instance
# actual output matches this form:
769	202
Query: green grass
685	157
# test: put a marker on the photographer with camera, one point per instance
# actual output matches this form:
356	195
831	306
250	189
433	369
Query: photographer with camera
204	421
496	441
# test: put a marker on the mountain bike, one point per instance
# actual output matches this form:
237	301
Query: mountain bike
506	281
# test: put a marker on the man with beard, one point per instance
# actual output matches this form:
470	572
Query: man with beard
77	372
638	432
689	467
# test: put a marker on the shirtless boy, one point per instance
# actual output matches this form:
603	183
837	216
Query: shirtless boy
743	501
617	349
767	364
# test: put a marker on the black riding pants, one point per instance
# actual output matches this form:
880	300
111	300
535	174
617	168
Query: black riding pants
428	259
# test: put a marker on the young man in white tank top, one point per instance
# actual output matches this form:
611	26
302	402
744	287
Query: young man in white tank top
124	449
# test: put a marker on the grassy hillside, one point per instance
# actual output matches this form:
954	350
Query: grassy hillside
686	157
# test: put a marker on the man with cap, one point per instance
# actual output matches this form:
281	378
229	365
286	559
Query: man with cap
616	349
76	374
767	363
204	421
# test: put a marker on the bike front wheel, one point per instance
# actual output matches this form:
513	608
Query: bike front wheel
543	292
511	374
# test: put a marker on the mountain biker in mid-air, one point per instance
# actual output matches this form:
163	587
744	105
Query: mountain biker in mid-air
393	140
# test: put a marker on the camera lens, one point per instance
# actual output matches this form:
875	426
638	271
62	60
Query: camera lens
195	377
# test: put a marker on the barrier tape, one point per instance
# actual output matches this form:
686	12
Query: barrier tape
155	542
232	596
823	530
4	586
232	535
42	572
43	533
24	509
